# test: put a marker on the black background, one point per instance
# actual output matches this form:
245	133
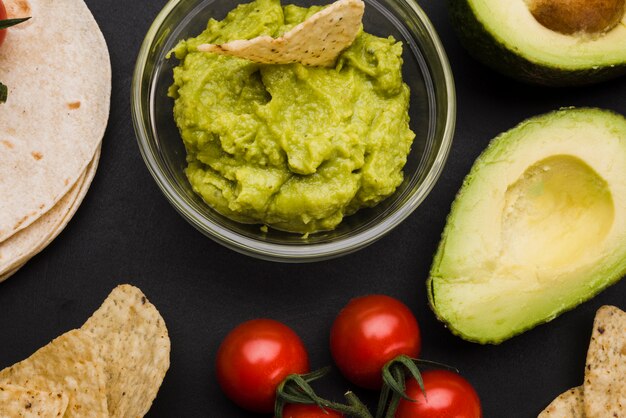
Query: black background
126	232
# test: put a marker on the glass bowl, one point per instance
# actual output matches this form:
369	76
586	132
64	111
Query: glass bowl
432	111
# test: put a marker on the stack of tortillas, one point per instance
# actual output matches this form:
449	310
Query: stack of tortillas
57	69
603	393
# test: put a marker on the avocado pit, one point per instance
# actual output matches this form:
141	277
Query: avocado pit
555	212
578	16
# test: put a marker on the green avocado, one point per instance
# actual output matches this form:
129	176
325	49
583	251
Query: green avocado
507	36
538	227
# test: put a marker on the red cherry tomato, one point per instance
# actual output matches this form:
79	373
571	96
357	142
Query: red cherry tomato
255	358
448	395
369	332
3	15
308	411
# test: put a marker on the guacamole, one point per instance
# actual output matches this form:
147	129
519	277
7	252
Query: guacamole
290	146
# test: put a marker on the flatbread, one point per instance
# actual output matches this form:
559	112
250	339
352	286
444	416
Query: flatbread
566	405
10	273
317	41
135	346
69	364
58	72
605	371
16	401
22	246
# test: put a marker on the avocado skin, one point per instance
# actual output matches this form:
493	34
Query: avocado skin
484	47
430	291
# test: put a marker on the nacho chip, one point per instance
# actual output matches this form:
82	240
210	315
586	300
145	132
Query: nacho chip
16	401
605	373
317	41
566	405
69	364
135	346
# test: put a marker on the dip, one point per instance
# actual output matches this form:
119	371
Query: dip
290	146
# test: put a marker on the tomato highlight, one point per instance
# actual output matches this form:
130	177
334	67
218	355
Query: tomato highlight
368	333
447	395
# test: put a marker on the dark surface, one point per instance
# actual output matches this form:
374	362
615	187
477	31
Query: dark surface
125	231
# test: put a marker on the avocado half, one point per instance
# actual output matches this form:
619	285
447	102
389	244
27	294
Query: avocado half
538	227
507	36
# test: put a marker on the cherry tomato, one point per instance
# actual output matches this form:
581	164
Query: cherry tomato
308	411
3	15
255	358
369	332
448	395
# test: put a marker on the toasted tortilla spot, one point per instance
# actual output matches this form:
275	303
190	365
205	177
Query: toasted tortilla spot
6	143
605	371
21	221
36	155
73	105
18	8
317	41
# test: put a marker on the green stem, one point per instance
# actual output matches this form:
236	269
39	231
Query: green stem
395	374
296	389
398	374
7	23
4	92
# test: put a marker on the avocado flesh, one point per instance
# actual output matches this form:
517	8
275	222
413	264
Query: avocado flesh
507	37
538	227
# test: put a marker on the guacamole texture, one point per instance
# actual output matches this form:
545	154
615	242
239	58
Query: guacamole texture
290	146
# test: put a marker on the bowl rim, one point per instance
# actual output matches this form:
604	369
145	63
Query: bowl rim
292	252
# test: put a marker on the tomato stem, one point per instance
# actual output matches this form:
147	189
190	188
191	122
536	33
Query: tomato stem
7	23
395	373
394	386
4	92
296	389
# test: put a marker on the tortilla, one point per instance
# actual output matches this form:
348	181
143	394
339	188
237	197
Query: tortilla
22	246
134	343
10	273
317	41
605	372
566	405
69	364
58	72
16	401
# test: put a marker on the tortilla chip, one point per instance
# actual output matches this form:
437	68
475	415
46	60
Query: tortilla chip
605	373
566	405
16	401
135	346
68	364
317	41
